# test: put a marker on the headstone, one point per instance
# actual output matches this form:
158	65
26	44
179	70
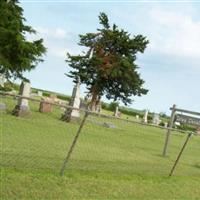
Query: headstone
166	125
73	114
117	113
53	97
63	110
109	125
22	107
2	107
198	130
86	98
39	93
137	116
177	123
145	118
2	80
45	105
156	119
99	108
83	105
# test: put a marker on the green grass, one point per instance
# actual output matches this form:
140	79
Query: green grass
124	162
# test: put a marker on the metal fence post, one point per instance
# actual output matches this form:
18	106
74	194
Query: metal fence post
179	155
73	144
167	139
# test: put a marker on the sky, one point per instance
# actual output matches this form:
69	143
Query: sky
170	65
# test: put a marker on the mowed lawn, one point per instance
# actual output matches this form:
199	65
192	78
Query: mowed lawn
121	162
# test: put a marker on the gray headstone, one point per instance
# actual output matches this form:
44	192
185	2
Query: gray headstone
24	91
75	103
109	125
2	106
22	107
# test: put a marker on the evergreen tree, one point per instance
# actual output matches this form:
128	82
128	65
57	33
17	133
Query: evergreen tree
17	54
108	67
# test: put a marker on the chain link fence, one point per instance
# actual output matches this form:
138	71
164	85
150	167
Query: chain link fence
41	140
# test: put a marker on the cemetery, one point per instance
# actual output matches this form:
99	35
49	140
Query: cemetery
108	146
91	143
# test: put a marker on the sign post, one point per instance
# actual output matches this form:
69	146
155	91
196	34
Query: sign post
183	119
167	139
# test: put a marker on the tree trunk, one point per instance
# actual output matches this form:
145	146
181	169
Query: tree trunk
95	100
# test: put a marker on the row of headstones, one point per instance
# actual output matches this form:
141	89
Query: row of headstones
156	118
22	108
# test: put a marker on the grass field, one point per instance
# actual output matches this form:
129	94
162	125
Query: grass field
123	162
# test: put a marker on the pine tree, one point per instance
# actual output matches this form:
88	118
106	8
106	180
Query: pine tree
111	70
17	54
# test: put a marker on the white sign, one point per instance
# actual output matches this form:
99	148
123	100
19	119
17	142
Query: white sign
187	120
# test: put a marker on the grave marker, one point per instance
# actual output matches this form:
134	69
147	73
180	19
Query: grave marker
73	114
116	111
156	119
39	93
2	80
22	107
145	118
45	105
2	107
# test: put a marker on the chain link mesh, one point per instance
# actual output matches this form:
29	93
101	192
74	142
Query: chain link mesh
40	141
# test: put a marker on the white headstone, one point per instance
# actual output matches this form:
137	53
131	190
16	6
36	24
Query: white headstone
116	114
2	80
39	93
145	118
156	119
75	103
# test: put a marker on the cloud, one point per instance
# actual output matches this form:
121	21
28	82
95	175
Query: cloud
57	51
50	34
58	41
57	33
174	34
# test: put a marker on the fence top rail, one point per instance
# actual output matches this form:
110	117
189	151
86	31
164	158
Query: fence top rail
185	111
36	100
93	113
142	123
